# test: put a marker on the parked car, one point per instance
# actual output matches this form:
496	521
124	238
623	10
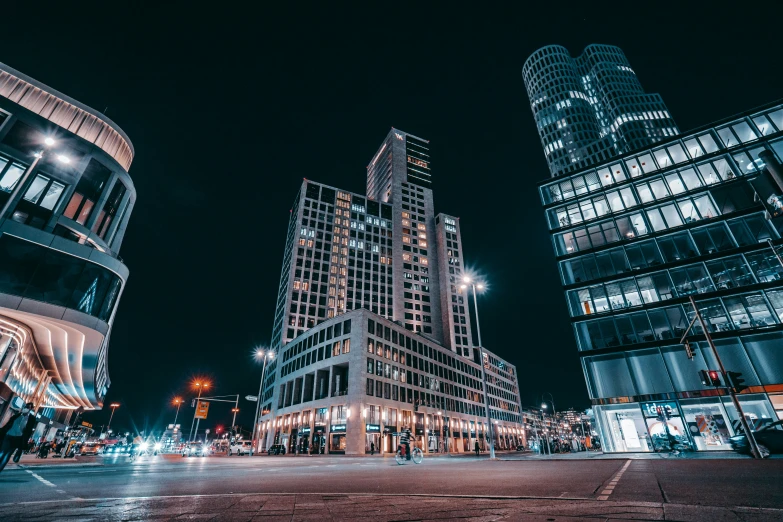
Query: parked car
195	449
521	447
241	447
277	449
91	448
769	439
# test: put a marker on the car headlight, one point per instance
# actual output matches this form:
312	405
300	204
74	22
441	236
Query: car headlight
143	446
158	445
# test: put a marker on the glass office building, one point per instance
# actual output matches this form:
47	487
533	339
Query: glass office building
65	201
590	108
635	237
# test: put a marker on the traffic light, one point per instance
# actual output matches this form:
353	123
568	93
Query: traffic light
710	377
736	381
689	350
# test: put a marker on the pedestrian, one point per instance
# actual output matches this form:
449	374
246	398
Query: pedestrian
476	448
18	429
372	448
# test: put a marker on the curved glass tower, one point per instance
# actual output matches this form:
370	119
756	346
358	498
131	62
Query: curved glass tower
591	108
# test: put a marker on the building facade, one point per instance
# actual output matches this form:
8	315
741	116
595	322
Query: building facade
66	199
389	254
635	238
591	108
350	384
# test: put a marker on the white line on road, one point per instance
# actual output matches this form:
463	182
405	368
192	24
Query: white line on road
612	483
40	478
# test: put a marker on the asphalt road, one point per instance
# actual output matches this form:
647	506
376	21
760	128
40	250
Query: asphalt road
708	482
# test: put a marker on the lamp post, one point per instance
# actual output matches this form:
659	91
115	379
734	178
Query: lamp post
468	281
200	386
178	401
22	181
543	428
262	354
113	406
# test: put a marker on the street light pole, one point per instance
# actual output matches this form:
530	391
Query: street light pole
265	354
748	434
483	369
178	402
113	407
200	387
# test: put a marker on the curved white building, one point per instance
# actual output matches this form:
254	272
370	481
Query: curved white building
65	201
591	108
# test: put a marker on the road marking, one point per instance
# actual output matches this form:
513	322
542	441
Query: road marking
329	493
609	489
41	479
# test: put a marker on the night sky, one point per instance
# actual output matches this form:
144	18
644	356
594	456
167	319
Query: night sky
228	111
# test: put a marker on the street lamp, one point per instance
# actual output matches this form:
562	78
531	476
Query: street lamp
178	401
113	405
48	142
474	285
260	354
200	385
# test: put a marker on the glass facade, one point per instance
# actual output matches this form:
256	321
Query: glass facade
636	238
591	108
36	272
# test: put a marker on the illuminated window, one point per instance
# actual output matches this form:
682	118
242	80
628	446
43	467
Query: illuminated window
422	243
406	239
406	215
406	222
421	226
406	257
424	261
297	284
305	286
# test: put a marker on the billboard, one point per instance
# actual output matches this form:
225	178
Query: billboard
201	409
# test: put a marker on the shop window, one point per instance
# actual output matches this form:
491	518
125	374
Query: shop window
707	423
623	427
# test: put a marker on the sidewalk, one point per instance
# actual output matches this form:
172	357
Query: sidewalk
30	461
377	508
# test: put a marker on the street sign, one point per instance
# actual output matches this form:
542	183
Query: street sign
201	410
86	424
252	398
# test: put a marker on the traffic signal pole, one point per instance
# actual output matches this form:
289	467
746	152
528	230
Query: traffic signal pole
754	449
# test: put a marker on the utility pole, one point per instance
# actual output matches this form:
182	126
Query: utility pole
751	439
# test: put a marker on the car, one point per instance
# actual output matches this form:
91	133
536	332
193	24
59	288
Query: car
116	449
241	447
277	449
91	448
521	447
769	440
195	449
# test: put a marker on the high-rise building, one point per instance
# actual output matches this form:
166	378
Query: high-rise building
591	108
370	318
65	201
637	237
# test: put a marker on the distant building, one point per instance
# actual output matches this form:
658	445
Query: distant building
638	235
66	199
371	321
591	108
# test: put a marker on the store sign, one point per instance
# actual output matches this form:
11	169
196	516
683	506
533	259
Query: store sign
86	424
337	428
305	430
651	409
202	408
373	428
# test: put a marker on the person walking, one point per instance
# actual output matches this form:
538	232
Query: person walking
15	432
476	448
372	448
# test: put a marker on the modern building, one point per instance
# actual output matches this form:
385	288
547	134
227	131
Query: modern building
382	259
591	108
66	199
635	238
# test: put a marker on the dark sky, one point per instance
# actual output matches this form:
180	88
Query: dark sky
229	110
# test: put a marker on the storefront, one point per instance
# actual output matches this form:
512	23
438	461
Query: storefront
372	438
337	438
703	424
319	440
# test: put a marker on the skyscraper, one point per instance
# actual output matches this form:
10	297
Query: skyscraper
591	108
369	292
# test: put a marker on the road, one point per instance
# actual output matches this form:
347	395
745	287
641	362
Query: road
675	482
